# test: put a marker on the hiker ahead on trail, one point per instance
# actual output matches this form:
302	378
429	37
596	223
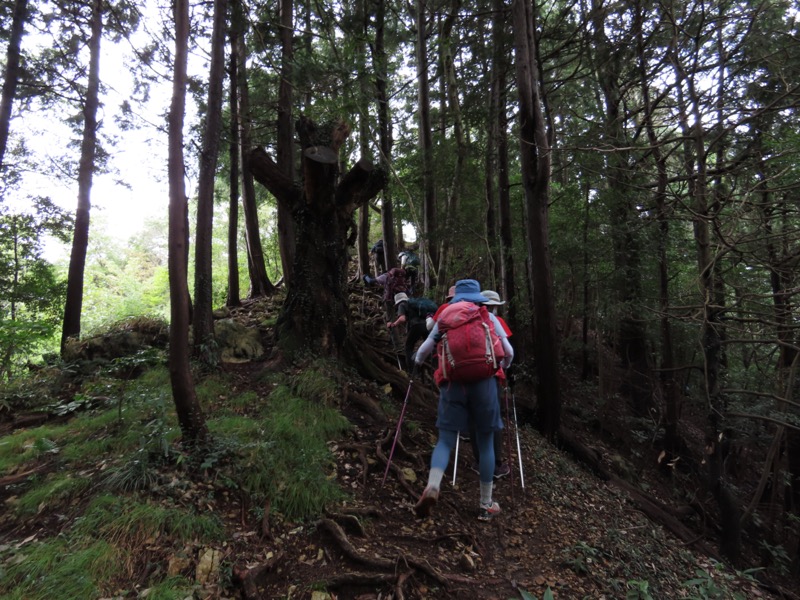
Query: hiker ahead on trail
410	262
378	257
393	282
472	348
413	312
501	467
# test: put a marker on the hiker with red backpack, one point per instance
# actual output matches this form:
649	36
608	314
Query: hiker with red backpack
413	312
472	348
501	467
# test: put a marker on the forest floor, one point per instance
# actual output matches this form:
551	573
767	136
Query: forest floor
564	533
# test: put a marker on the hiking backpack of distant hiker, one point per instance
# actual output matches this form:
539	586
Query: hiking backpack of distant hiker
419	308
470	349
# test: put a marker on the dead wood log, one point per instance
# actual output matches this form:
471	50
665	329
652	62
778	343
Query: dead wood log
23	475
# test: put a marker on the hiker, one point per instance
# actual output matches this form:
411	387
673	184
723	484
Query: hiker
472	347
376	252
413	312
393	282
501	467
450	293
410	262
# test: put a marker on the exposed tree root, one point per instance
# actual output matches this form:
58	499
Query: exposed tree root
397	470
266	533
377	562
366	404
362	455
250	579
349	521
17	477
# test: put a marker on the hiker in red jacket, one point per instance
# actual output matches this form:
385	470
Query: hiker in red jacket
472	347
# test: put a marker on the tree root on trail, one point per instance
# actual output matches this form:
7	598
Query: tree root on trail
22	476
266	533
397	470
362	455
366	404
378	563
350	521
249	579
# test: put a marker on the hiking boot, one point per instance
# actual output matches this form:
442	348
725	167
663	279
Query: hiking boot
488	511
426	502
502	471
475	467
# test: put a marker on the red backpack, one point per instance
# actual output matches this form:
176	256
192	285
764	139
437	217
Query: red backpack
469	350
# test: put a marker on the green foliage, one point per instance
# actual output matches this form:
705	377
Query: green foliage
31	291
50	493
128	523
711	584
638	589
57	568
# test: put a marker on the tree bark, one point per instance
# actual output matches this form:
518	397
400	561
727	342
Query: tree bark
315	315
260	284
80	240
535	155
428	246
187	407
285	141
380	65
234	295
11	75
203	320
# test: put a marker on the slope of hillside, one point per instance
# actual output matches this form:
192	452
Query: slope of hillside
564	534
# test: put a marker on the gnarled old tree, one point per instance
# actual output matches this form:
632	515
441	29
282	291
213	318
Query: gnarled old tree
315	315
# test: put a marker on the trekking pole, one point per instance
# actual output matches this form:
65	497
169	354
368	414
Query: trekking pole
455	462
519	451
508	444
394	343
397	432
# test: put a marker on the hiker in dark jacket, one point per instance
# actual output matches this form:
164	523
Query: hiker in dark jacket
378	257
410	262
413	312
463	404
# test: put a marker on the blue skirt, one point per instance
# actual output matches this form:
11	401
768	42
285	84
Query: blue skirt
469	406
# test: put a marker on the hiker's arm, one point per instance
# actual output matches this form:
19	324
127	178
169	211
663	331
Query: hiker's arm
508	350
399	321
427	346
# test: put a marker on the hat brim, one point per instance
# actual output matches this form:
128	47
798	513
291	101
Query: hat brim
475	297
494	303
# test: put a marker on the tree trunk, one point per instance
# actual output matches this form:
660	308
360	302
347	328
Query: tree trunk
203	320
11	75
285	141
80	240
260	285
500	66
315	315
428	243
234	295
380	65
187	407
535	162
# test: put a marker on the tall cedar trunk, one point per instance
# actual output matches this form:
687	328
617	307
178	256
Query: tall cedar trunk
535	163
285	141
80	240
234	295
260	285
11	75
694	153
190	416
454	113
380	65
362	240
631	339
203	320
315	316
500	65
669	388
430	254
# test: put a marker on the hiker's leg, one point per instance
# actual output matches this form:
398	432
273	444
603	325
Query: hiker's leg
416	331
486	452
498	448
473	441
441	457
